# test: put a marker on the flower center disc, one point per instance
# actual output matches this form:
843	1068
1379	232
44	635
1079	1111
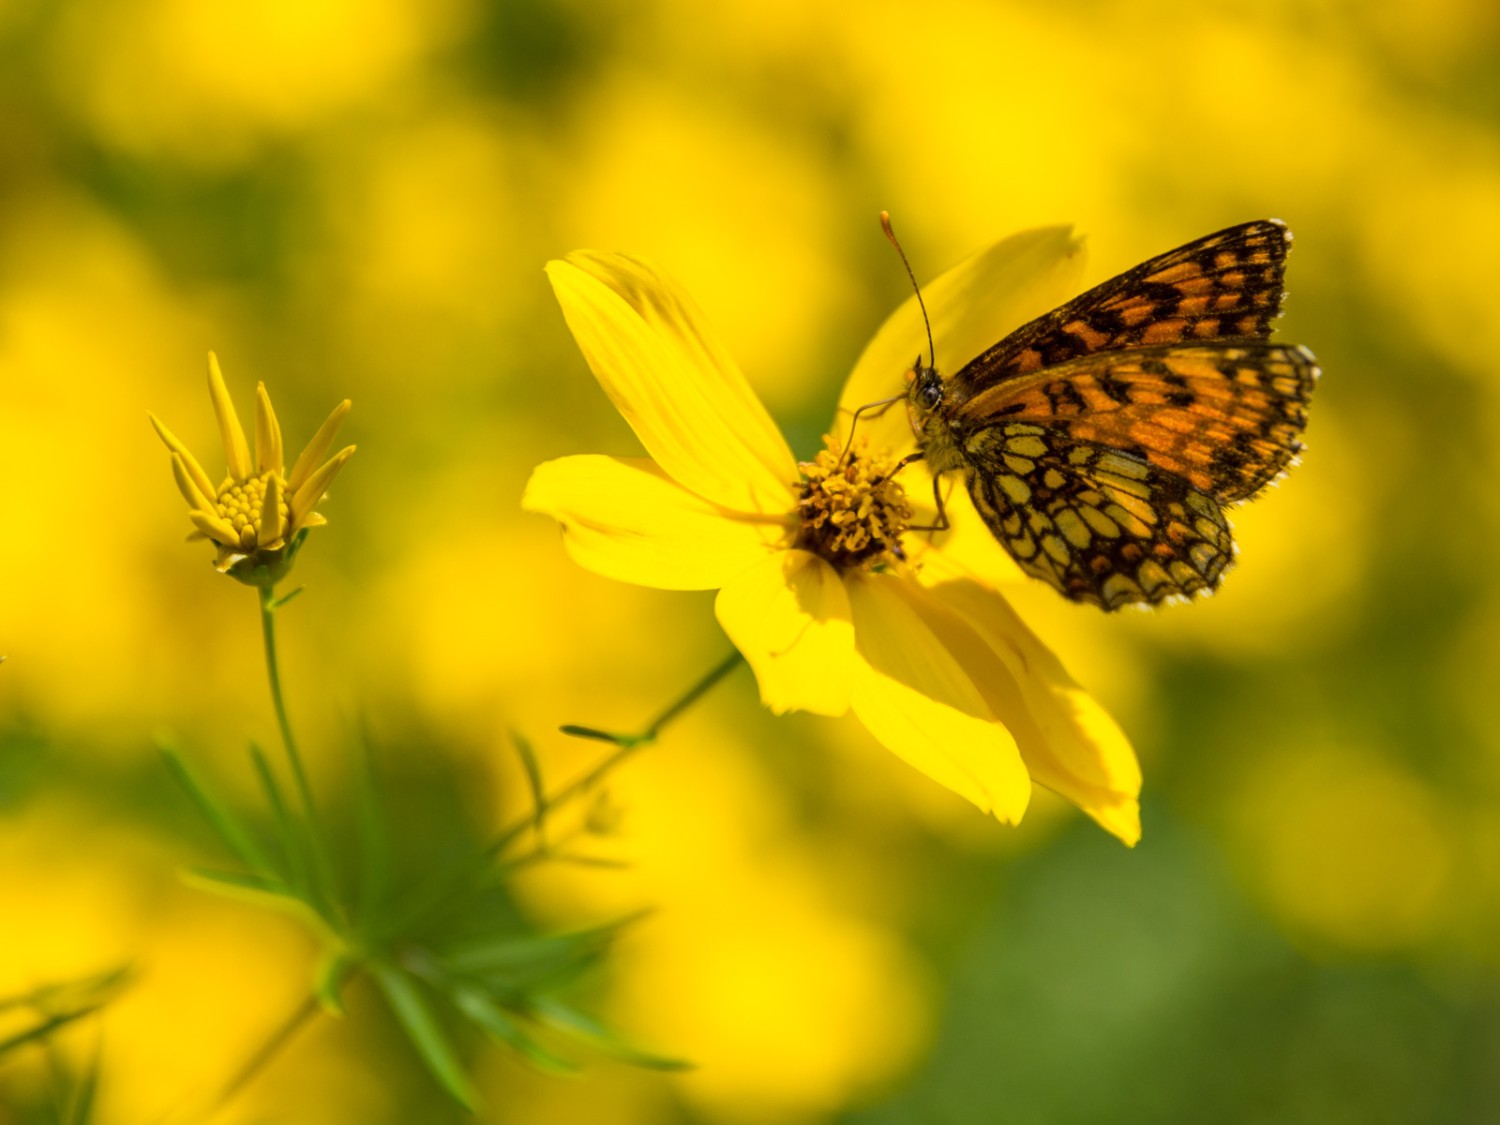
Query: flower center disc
852	512
241	502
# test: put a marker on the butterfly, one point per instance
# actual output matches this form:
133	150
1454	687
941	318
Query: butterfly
1101	442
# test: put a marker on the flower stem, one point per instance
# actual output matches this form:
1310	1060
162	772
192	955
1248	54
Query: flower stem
626	744
653	729
268	1051
289	740
321	885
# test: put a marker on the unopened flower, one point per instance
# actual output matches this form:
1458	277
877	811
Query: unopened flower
835	599
260	514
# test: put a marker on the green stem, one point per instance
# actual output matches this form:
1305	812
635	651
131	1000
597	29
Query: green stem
626	745
321	886
474	872
268	1051
268	630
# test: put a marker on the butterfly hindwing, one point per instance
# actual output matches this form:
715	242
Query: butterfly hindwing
1226	417
1223	286
1100	525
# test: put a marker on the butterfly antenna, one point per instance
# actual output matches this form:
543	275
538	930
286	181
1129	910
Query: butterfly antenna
885	225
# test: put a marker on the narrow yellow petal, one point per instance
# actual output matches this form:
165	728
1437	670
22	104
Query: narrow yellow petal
188	486
692	409
974	304
268	455
195	470
314	488
235	449
272	522
789	615
216	528
317	448
917	696
1069	742
624	518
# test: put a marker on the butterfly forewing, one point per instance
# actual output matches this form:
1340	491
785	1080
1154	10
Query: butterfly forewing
1224	286
1100	525
1227	418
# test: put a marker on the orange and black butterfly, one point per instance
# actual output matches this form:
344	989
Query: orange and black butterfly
1102	441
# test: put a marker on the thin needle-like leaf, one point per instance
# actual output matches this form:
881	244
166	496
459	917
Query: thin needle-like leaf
375	845
533	779
427	1035
580	1025
288	834
493	1019
328	986
45	1028
228	827
81	1108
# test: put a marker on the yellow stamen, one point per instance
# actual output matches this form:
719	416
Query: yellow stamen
316	448
268	456
235	448
200	478
307	497
853	513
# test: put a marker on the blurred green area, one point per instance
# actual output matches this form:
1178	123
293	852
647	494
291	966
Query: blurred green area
356	200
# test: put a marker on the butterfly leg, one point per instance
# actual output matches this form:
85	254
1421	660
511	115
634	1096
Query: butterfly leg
879	407
942	523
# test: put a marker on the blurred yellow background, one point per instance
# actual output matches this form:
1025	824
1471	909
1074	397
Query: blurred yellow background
357	199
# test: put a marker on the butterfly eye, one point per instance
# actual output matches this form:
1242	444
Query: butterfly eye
931	393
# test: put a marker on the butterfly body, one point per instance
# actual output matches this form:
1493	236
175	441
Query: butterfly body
1101	441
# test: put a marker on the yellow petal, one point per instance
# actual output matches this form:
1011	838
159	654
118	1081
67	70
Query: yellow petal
789	616
686	400
268	455
216	528
235	449
188	486
314	488
317	448
195	470
272	522
920	701
972	306
1070	744
624	518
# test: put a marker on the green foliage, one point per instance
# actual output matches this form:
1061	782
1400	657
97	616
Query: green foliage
68	1095
427	918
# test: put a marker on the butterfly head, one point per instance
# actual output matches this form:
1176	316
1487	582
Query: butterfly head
924	396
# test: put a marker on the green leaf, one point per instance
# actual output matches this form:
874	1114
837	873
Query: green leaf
331	977
82	1107
501	952
533	778
493	1019
288	835
45	1028
85	991
237	882
228	827
375	844
585	1027
426	1034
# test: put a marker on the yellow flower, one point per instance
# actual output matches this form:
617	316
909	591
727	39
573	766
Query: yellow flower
260	515
833	601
